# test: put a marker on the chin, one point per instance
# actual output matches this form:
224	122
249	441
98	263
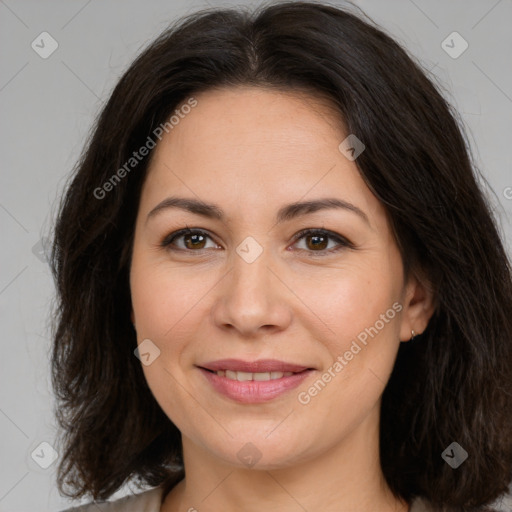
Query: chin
259	451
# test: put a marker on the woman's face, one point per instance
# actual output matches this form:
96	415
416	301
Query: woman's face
329	307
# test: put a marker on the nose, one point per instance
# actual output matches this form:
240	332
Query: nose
251	299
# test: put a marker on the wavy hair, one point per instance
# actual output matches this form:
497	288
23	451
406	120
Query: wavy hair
453	383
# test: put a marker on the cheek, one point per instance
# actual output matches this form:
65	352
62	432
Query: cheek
354	300
362	309
363	313
163	297
163	300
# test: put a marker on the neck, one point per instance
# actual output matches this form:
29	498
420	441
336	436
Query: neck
343	477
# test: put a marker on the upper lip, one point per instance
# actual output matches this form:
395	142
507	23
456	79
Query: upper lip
261	366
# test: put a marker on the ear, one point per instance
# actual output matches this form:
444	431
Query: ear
418	307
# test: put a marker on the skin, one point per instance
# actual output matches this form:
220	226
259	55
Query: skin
250	151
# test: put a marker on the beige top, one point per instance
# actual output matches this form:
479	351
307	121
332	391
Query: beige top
151	501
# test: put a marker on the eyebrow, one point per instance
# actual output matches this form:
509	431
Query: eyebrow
285	213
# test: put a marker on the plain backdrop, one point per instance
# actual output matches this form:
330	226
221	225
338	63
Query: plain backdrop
48	106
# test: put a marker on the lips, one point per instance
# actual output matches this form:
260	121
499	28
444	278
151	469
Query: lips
253	381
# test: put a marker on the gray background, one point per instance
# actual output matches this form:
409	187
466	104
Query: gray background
48	106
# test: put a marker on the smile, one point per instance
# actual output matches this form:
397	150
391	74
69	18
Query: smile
245	376
253	382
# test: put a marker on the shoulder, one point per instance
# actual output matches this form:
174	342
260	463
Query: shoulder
422	505
149	501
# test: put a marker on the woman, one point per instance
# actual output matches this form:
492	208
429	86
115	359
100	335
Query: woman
280	285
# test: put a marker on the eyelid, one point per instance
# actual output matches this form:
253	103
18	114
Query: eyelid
166	242
342	241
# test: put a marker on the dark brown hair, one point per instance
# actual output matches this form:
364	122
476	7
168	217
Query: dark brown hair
452	383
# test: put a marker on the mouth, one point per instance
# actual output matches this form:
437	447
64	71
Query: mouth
253	382
246	376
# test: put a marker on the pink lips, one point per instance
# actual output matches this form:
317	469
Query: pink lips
252	391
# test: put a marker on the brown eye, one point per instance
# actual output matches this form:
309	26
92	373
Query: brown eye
194	241
317	241
187	239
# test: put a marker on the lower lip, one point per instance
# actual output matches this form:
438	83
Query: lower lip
254	391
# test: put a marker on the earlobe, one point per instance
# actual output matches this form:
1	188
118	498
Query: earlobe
418	308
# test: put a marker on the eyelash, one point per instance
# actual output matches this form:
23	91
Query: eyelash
343	242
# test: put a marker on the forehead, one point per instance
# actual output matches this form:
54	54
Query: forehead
256	146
